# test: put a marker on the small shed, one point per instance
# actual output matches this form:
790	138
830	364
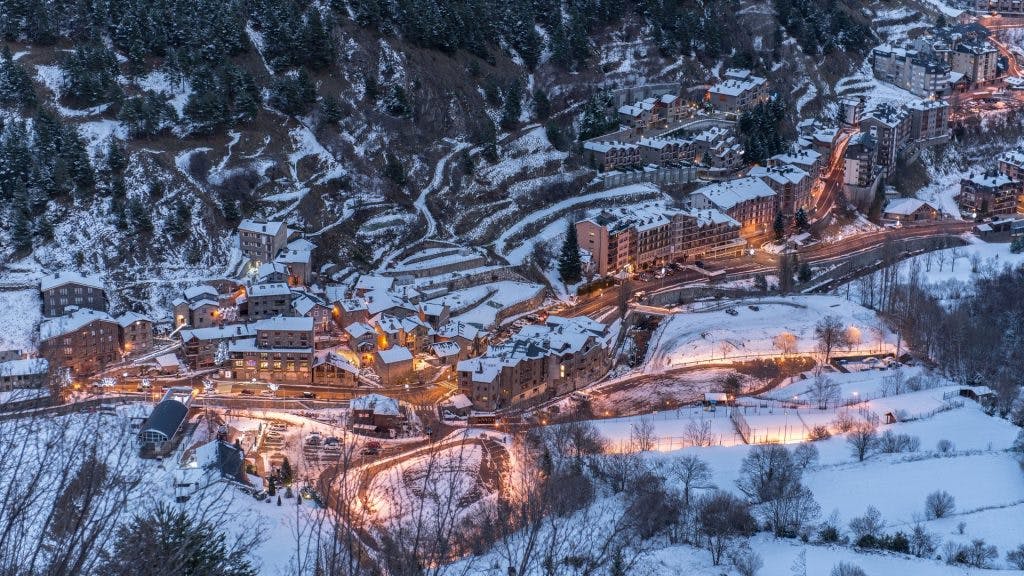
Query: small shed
458	405
168	363
712	399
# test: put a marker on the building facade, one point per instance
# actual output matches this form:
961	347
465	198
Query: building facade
63	290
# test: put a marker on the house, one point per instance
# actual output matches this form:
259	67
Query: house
909	210
267	301
297	257
157	434
993	193
808	160
261	241
393	365
334	369
203	306
350	311
367	283
747	200
62	290
538	362
168	363
136	333
25	373
376	414
208	464
362	339
208	347
458	406
737	92
272	273
662	151
448	352
83	340
467	336
282	351
312	306
1011	163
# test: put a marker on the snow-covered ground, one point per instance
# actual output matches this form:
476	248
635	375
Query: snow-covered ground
700	337
19	316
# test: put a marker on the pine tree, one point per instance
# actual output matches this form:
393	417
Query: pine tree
15	83
286	471
330	110
116	160
801	219
541	104
229	208
779	226
570	267
618	567
513	105
805	274
19	215
142	222
316	41
271	486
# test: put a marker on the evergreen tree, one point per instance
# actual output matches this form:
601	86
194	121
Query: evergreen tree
801	219
317	47
173	538
90	75
596	120
18	213
397	104
293	94
142	222
541	104
513	105
15	83
779	226
330	110
570	267
286	471
805	274
271	486
394	170
229	208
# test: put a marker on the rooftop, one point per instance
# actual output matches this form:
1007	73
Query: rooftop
729	193
376	403
58	279
61	325
271	228
269	289
293	323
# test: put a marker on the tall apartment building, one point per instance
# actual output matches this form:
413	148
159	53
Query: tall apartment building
792	186
920	72
62	290
267	301
859	161
282	351
929	121
638	237
890	127
608	156
539	361
261	241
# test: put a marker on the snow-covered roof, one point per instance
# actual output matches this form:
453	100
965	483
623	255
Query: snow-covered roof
269	289
905	206
928	104
129	318
204	302
250	345
445	349
352	304
727	194
991	180
1013	157
367	282
784	174
200	291
271	228
460	401
735	87
29	367
219	332
395	354
376	403
608	146
294	323
336	360
268	268
58	279
61	325
301	244
803	157
167	361
458	329
305	303
359	329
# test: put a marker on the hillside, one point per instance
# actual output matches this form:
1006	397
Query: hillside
140	132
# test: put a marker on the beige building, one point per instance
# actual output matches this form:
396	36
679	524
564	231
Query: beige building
738	91
282	351
747	200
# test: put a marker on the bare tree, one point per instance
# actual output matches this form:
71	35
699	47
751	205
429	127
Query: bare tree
746	561
641	435
698	433
785	342
847	569
922	542
721	519
939	504
823	390
831	334
862	440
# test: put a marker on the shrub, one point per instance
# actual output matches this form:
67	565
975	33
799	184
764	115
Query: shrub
945	446
844	422
1016	557
847	569
819	432
939	504
747	562
892	443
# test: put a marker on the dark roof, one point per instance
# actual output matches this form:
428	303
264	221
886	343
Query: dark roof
166	417
229	460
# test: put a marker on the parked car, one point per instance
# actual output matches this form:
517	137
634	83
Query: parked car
699	263
754	308
370	449
731	312
310	395
246	392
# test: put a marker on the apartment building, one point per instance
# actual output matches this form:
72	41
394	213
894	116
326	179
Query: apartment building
738	91
792	186
890	127
920	72
63	290
538	362
83	340
929	121
990	194
261	241
747	200
208	347
266	301
608	156
282	351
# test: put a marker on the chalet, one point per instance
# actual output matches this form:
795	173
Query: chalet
208	347
909	210
267	301
376	414
334	369
448	352
63	290
282	351
738	91
312	306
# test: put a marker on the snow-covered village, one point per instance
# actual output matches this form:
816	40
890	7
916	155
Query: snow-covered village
533	288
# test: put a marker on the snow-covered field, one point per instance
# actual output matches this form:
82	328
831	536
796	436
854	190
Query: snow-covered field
696	337
19	316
